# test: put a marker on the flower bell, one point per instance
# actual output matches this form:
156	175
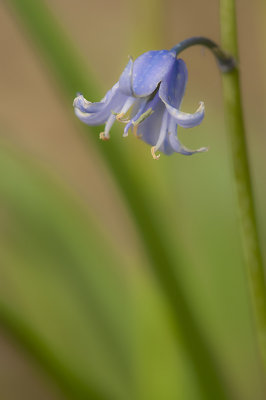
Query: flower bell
147	99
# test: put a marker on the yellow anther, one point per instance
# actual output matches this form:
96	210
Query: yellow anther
154	156
119	117
102	136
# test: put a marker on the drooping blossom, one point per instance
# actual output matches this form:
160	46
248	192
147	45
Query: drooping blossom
147	99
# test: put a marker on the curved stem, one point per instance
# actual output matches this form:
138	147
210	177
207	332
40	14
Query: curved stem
225	61
237	141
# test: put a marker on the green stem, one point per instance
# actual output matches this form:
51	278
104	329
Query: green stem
225	61
237	142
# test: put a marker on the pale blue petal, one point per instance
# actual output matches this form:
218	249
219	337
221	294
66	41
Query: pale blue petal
184	119
125	80
136	113
98	113
149	129
174	145
172	88
171	92
91	119
86	106
179	148
163	134
149	69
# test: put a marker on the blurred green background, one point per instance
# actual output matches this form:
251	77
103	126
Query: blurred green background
79	299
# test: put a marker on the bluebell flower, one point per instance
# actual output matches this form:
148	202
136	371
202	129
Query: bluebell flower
147	99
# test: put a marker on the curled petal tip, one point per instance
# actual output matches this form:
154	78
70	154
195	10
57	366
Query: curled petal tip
202	150
78	95
201	107
81	103
184	119
155	156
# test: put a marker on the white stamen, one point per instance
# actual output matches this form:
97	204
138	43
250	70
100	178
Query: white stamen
128	103
105	135
163	131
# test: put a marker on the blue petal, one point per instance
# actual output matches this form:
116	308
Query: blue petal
125	80
86	106
98	113
173	86
179	148
171	92
139	108
149	129
149	69
174	144
187	120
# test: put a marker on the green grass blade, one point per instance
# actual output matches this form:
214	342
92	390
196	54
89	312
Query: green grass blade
55	270
69	382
